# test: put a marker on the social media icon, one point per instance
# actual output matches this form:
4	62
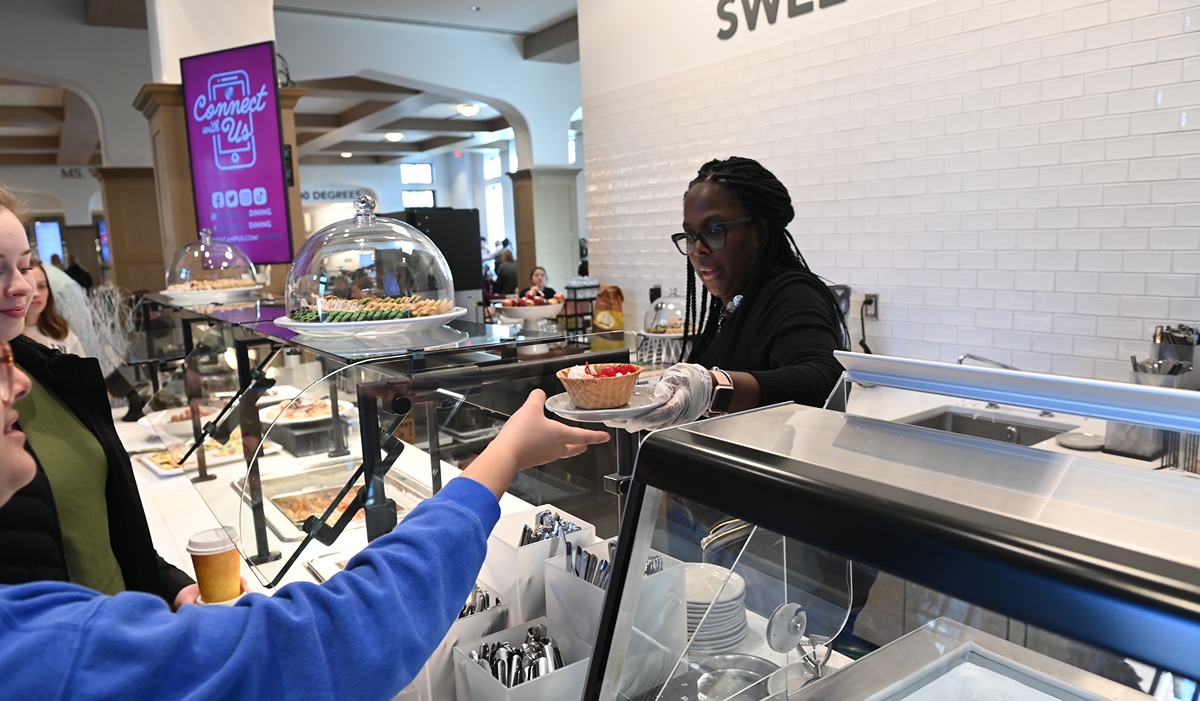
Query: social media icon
218	200
231	198
244	197
260	195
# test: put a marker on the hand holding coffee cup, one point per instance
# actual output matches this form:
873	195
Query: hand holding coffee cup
217	563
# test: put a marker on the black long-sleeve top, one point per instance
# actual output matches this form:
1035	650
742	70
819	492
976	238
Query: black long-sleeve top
786	343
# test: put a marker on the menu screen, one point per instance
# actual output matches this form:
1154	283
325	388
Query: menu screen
236	146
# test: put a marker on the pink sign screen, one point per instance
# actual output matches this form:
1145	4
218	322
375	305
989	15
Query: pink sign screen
236	147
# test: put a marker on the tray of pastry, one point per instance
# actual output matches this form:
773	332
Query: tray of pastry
289	499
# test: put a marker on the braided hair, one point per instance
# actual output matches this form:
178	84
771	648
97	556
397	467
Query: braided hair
765	198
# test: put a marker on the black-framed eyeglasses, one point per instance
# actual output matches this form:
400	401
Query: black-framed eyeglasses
713	236
8	372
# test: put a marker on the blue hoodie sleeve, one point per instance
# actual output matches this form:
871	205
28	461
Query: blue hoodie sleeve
363	634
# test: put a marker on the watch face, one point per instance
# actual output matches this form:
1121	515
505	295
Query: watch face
722	393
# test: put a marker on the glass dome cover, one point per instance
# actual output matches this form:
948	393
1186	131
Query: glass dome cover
210	265
665	315
368	269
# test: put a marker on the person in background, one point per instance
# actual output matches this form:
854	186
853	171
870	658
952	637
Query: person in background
364	633
764	327
537	281
43	323
341	286
80	518
78	274
504	245
506	274
74	305
56	261
361	284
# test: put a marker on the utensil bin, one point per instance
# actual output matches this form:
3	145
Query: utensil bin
573	604
474	683
573	607
518	574
436	678
1142	442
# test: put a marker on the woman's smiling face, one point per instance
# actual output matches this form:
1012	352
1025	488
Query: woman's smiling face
16	283
726	272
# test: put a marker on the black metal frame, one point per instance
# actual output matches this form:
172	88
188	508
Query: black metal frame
1058	581
253	382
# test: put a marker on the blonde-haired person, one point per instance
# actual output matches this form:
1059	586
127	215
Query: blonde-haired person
80	519
43	323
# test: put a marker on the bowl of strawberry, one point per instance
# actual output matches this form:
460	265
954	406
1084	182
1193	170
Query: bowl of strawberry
599	386
531	306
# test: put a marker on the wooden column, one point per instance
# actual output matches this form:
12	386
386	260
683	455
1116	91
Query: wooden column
162	105
131	209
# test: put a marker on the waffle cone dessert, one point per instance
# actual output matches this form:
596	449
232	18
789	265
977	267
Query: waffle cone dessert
600	392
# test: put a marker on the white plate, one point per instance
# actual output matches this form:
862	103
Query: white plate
641	402
363	328
268	415
704	581
541	311
210	461
717	646
210	296
1080	441
156	421
396	343
695	615
667	336
719	639
725	624
719	619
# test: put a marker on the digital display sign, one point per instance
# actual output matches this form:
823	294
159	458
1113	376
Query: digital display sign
235	140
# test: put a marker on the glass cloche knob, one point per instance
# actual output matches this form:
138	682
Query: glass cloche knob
364	209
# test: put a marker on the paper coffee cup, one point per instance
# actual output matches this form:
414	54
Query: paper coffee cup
217	563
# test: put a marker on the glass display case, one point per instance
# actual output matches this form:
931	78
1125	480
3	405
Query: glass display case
208	271
831	556
300	429
368	275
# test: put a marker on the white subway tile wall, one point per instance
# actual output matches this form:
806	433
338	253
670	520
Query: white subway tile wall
1014	178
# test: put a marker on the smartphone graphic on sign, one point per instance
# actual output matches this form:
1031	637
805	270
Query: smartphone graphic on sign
233	144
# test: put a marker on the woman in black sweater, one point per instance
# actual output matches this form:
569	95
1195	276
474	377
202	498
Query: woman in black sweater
763	322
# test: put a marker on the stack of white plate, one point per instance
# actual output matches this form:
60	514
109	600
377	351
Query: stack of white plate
716	596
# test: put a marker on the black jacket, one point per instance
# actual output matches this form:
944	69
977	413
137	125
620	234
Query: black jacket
787	342
31	541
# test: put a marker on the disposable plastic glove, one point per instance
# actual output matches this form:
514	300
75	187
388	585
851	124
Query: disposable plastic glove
685	389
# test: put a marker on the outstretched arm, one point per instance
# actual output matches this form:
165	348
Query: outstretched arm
528	438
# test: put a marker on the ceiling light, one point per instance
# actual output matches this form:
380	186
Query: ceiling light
394	136
347	154
467	109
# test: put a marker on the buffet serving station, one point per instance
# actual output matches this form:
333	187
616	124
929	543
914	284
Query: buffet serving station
783	553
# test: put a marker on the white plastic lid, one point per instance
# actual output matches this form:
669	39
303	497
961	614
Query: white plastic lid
213	540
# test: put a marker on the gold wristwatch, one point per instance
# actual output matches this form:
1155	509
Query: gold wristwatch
722	393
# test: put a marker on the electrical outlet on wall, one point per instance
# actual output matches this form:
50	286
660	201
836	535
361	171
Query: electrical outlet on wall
870	306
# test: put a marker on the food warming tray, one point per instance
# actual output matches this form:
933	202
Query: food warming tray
282	495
